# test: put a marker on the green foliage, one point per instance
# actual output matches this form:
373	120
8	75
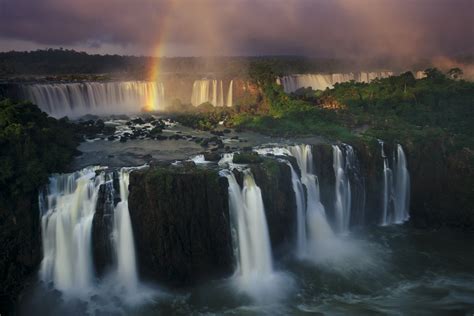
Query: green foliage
33	146
397	108
204	117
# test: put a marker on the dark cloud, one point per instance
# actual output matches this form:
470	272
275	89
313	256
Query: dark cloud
340	28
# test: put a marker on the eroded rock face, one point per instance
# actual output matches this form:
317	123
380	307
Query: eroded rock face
442	186
20	250
180	220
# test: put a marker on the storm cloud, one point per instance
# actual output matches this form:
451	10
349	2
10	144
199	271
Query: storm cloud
336	28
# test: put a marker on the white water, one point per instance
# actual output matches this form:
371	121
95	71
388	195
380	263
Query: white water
396	188
76	99
316	222
401	187
123	237
211	91
301	239
246	206
254	275
292	83
67	212
66	223
342	203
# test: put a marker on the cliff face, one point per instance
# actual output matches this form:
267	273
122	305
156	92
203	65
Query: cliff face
442	186
20	251
180	219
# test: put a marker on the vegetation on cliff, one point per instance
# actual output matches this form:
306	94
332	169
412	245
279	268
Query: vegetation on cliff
33	146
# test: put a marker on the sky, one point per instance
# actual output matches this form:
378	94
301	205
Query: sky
401	29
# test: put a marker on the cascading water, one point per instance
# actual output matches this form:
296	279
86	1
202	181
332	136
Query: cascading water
292	83
401	187
123	237
317	226
342	205
246	207
396	190
387	187
211	91
67	211
230	94
76	99
301	239
254	275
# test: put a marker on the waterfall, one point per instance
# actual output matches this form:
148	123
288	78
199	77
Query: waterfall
396	188
401	187
211	91
301	242
342	203
291	83
67	212
229	94
66	222
123	237
76	99
315	219
248	213
387	187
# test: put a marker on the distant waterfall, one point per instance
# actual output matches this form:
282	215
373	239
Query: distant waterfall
67	210
211	91
76	99
317	226
248	213
229	94
292	83
396	188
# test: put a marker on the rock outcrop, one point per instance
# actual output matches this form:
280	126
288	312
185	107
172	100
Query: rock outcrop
180	219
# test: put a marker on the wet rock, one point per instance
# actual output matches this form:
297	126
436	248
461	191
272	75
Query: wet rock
212	156
181	225
247	157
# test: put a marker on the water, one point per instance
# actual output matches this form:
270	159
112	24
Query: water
292	83
342	203
66	225
254	275
317	227
401	187
211	91
77	99
396	188
67	212
123	239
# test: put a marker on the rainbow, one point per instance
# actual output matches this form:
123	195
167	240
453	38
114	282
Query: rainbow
157	54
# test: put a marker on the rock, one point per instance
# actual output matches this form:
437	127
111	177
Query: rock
102	226
138	120
212	156
123	139
226	131
180	219
247	157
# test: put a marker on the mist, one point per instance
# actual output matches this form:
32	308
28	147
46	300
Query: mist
363	29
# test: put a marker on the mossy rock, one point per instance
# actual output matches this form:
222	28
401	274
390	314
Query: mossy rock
247	158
